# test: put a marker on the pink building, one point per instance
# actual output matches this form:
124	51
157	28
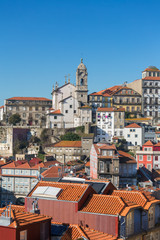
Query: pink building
149	156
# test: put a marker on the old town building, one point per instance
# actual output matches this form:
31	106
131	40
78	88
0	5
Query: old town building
32	110
149	87
110	123
70	102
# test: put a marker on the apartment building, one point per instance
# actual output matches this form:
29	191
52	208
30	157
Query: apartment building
104	162
110	123
32	110
149	156
133	133
18	178
149	87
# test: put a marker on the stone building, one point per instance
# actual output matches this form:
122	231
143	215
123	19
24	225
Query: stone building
32	110
69	102
110	123
65	151
8	138
149	87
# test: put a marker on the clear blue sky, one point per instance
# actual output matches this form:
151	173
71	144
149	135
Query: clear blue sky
41	41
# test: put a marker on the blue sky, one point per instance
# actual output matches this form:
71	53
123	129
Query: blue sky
42	41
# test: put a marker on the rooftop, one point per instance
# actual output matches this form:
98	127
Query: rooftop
68	144
133	125
111	110
70	191
29	99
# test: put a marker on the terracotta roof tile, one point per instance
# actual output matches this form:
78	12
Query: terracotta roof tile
103	204
132	196
68	144
111	110
70	192
52	172
148	143
1	107
29	99
96	235
56	112
133	125
73	232
151	78
21	218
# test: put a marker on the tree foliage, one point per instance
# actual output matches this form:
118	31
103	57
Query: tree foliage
14	119
70	137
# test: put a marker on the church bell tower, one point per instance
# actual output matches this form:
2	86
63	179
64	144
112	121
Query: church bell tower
82	84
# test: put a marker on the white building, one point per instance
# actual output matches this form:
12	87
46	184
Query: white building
69	102
110	123
18	180
1	112
133	134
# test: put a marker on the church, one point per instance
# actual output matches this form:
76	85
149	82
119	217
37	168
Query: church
70	103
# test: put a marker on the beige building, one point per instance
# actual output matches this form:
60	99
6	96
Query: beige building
32	110
65	151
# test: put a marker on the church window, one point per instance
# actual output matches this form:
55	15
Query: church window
82	81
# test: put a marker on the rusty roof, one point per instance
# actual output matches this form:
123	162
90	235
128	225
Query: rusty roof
70	191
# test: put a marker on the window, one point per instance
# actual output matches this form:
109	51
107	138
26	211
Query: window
149	158
128	135
136	135
74	111
55	117
23	235
149	167
156	158
55	125
130	130
43	108
140	157
70	106
101	166
66	111
82	81
135	143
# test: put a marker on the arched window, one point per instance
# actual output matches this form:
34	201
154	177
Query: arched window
82	81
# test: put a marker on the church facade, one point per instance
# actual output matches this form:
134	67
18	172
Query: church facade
70	102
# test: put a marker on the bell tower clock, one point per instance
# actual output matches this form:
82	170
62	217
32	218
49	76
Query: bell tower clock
82	84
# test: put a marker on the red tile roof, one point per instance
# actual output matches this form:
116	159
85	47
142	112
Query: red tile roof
148	143
126	158
151	68
1	107
52	172
21	218
151	78
57	112
70	191
68	144
157	144
29	99
133	125
103	204
96	235
111	110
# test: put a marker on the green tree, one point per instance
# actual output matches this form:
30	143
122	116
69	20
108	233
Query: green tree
70	137
14	119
